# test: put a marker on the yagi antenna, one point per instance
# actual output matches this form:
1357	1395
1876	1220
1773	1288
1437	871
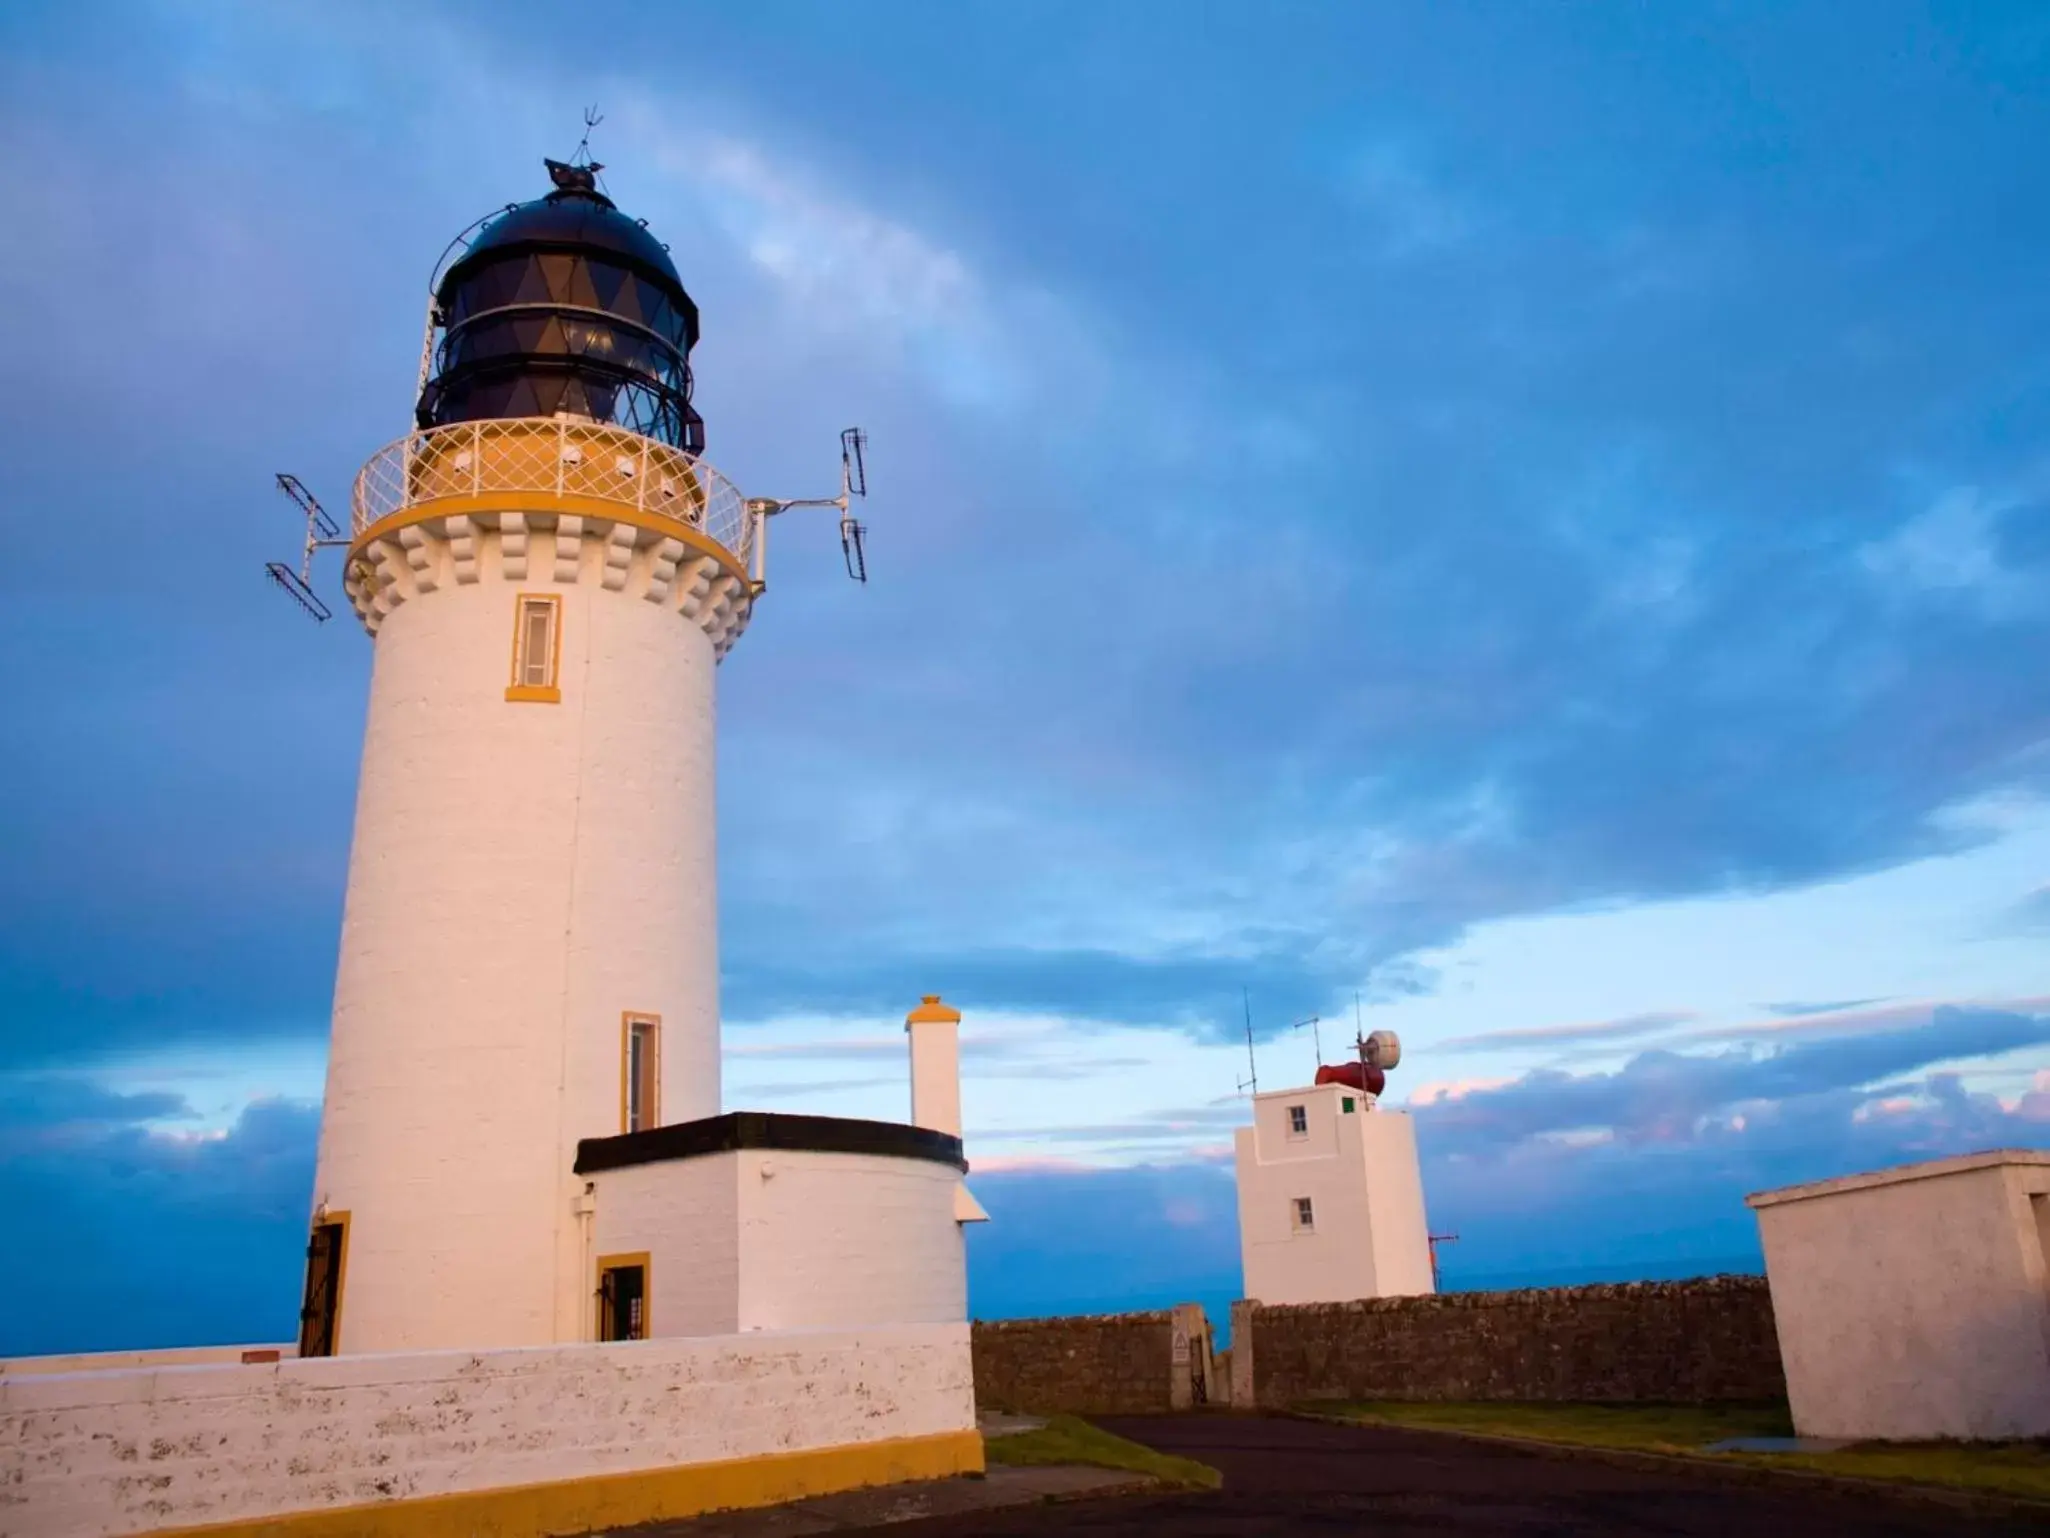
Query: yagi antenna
853	532
854	481
320	530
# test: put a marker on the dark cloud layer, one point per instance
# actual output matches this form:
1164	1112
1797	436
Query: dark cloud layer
1266	586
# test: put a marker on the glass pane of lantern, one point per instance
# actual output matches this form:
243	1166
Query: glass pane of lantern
555	270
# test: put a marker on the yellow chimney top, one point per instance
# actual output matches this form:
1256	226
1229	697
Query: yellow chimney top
933	1012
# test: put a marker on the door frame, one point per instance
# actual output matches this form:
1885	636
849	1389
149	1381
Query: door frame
625	1262
338	1220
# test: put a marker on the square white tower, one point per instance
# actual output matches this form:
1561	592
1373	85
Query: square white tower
1331	1204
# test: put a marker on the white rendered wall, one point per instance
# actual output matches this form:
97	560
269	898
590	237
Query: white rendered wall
834	1241
92	1455
1369	1239
776	1240
521	875
1915	1303
685	1215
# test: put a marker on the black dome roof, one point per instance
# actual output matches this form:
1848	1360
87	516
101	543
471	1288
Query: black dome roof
584	220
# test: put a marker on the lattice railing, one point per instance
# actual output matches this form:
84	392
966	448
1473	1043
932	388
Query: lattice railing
569	457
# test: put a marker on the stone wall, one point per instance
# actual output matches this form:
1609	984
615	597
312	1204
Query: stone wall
1094	1364
1685	1342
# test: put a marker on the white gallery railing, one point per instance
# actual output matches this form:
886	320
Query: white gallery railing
562	456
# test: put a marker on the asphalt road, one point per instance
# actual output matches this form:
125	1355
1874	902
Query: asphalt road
1293	1479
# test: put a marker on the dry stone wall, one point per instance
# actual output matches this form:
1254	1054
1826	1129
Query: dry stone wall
1693	1342
1094	1364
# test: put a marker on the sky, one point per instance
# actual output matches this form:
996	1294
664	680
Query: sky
1526	526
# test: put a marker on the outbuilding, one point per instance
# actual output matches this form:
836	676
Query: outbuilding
1914	1303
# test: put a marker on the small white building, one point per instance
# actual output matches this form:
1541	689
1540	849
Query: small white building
1914	1303
1331	1204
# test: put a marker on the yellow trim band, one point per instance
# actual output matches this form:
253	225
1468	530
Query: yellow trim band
568	505
624	1500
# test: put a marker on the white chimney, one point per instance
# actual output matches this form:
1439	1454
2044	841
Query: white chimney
935	1032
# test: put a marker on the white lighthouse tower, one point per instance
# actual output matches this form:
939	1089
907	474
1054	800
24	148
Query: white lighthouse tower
551	574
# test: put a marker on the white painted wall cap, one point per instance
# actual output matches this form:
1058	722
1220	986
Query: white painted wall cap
1928	1169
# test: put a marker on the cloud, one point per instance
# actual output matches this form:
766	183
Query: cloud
1665	1097
1955	551
2032	914
1435	1090
166	1239
1857	1019
52	1108
1254	672
1551	1035
743	1094
1797	1009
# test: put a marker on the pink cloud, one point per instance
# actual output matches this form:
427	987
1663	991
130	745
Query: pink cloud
1437	1090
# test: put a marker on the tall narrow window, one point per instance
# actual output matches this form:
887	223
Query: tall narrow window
537	649
1302	1216
1298	1121
640	1073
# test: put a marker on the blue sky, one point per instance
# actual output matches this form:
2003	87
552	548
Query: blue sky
1536	516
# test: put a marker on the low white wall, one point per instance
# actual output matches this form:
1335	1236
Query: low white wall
91	1455
1914	1303
114	1361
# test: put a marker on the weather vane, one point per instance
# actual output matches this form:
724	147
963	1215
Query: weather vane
592	118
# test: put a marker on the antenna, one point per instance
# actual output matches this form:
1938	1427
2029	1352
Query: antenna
853	481
1252	1079
853	532
1316	1036
321	530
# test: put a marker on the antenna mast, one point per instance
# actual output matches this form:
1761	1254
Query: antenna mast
1252	1079
853	532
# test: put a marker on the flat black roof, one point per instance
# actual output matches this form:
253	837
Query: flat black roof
768	1129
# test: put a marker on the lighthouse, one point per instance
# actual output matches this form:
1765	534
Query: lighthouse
526	1004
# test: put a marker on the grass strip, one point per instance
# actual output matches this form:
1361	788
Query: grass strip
2020	1469
1070	1439
1642	1428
